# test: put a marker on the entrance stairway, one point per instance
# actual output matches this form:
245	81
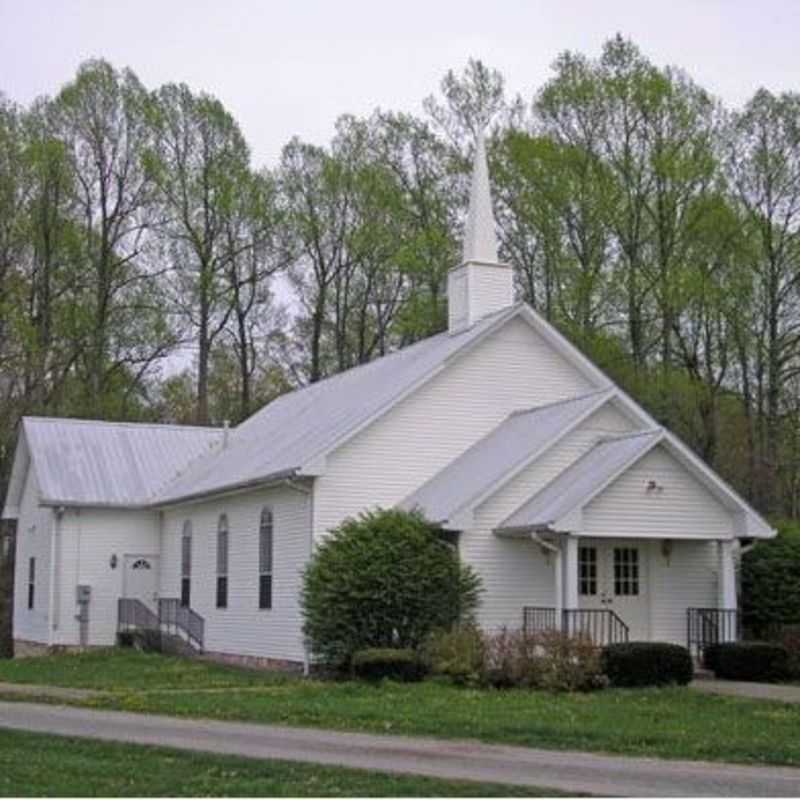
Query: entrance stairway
181	630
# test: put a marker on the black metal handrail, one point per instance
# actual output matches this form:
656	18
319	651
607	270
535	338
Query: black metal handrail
602	625
708	626
180	618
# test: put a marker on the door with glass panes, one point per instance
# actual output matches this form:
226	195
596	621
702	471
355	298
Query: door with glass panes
612	575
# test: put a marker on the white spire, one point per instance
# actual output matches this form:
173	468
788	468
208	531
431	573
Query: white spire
480	241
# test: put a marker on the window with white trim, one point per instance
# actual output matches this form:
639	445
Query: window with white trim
222	561
587	571
626	571
265	546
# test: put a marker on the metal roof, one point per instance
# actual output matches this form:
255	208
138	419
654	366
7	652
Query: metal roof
581	481
303	425
521	437
90	463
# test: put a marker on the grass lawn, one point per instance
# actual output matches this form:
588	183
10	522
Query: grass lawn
667	723
65	767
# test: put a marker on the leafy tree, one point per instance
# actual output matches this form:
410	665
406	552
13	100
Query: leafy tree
385	579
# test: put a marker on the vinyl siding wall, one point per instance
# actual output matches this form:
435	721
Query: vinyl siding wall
242	628
33	541
517	572
683	509
87	538
512	369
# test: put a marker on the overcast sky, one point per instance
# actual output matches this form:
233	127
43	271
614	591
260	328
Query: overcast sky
291	68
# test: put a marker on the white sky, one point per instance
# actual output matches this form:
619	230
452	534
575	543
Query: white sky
291	68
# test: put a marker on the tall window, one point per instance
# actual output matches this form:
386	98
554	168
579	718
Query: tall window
31	581
186	564
626	571
222	562
587	571
265	559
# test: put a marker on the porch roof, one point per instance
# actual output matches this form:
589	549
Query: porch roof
520	438
580	482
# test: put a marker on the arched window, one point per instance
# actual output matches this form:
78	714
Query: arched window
186	564
222	561
265	532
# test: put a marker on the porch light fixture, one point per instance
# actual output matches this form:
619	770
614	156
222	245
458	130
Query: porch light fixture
113	561
666	549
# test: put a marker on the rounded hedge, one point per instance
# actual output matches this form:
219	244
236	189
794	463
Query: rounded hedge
383	580
646	664
748	661
771	584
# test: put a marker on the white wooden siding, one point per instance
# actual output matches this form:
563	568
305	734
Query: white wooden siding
683	509
33	541
688	577
242	628
512	369
516	572
87	538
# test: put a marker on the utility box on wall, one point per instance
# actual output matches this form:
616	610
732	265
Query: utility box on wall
83	594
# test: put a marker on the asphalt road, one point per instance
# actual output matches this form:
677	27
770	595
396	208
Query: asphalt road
563	770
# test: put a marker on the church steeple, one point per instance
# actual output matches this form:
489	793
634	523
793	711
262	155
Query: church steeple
480	241
481	285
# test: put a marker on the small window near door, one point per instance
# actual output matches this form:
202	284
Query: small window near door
626	571
186	564
222	562
141	563
587	571
31	582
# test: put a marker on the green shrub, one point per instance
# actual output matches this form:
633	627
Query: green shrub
457	654
568	663
771	585
646	664
385	579
749	661
149	641
377	663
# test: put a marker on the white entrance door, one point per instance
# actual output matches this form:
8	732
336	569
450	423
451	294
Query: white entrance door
141	579
612	575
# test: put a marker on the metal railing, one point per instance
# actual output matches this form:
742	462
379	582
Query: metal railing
601	625
172	618
133	613
178	619
707	626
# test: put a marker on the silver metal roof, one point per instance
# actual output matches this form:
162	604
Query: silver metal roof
521	437
298	427
579	482
84	462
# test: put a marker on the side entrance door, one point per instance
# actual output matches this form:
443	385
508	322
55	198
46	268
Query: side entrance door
612	574
140	580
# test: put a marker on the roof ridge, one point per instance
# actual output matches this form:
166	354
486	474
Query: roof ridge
123	424
564	401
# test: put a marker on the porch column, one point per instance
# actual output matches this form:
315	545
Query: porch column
726	586
571	572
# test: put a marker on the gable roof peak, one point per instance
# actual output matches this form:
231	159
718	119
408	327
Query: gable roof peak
480	239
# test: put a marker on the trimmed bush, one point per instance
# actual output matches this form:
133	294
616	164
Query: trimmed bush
771	585
149	641
377	663
749	661
457	654
647	664
385	579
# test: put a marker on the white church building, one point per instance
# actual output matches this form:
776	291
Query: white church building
575	507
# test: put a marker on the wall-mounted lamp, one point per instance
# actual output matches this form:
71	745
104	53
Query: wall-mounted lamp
654	486
666	548
113	561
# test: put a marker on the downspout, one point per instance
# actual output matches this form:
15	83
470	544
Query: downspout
310	494
58	513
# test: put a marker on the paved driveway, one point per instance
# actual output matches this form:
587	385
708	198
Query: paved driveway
567	771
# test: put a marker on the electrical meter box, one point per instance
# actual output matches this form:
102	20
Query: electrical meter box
84	594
